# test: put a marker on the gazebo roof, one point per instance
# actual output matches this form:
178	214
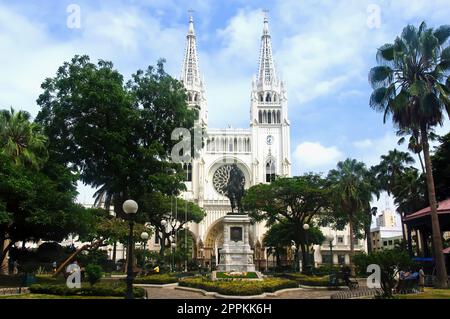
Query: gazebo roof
443	208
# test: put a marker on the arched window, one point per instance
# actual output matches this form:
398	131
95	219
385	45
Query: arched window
189	97
268	98
261	97
275	97
264	117
278	117
270	171
235	149
269	117
188	171
259	116
195	97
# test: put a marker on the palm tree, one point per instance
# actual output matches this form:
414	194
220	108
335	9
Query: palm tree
351	193
389	172
411	85
22	140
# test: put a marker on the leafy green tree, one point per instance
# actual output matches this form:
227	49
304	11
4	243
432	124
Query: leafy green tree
411	84
390	262
36	205
116	135
441	168
176	212
351	192
20	139
295	201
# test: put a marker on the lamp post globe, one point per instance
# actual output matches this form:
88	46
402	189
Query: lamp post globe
130	207
306	226
144	235
163	223
329	238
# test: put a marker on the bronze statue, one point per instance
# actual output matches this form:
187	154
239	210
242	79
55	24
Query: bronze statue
235	189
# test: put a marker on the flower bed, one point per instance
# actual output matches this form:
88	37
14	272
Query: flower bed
157	279
103	289
239	287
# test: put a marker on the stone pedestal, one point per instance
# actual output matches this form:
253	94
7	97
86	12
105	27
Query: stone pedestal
236	254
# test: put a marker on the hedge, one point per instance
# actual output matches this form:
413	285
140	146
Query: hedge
158	279
239	287
315	281
98	290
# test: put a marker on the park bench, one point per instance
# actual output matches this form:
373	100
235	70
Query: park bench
343	279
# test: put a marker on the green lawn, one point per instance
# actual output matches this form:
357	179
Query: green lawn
429	293
45	296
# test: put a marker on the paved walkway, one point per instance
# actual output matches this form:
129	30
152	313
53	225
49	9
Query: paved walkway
172	293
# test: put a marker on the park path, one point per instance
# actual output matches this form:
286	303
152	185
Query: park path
172	293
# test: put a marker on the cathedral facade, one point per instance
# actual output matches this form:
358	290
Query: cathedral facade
261	152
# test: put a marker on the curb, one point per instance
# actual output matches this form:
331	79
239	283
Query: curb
220	296
156	285
323	288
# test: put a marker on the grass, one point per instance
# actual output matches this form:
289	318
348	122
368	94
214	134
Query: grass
429	293
246	275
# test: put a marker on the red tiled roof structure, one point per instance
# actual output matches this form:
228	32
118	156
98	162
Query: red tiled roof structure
443	208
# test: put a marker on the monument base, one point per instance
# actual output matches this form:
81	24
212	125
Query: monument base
236	254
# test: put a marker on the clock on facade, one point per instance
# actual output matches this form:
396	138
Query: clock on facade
269	139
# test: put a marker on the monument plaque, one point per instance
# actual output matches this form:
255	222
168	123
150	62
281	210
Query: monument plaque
236	234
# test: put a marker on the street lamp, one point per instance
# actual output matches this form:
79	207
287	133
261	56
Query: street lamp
144	237
306	228
173	246
329	239
293	247
130	207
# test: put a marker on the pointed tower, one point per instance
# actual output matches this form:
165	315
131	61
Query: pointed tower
269	117
190	75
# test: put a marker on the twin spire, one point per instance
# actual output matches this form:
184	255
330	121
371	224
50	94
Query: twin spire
190	73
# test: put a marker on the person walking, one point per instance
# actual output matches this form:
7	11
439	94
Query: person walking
421	280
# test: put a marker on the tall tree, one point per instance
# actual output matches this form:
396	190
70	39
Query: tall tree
295	201
441	168
117	136
351	192
411	85
20	139
389	172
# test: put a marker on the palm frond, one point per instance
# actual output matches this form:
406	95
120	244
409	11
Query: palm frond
442	34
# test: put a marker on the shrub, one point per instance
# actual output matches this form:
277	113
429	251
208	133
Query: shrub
94	273
157	279
315	281
102	289
239	287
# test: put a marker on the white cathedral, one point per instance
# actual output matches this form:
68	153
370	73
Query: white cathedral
261	152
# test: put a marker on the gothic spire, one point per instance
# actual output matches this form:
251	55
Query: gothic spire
190	73
266	73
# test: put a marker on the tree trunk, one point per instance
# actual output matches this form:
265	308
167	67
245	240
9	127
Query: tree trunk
352	245
114	255
421	163
95	245
5	246
403	227
441	272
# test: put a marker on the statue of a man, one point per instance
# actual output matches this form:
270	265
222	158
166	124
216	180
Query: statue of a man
235	189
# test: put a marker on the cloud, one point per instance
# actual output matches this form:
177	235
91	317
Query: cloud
313	156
